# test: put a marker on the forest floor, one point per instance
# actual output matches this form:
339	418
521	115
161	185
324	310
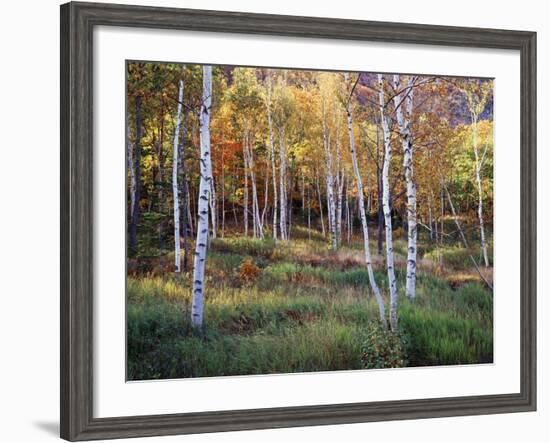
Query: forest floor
298	306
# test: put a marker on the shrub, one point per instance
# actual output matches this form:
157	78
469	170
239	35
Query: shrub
383	348
248	271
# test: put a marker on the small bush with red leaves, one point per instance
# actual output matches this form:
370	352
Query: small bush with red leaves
249	271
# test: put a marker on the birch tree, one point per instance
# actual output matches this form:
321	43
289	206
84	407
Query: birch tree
362	214
175	189
137	171
404	100
329	177
197	307
477	95
282	184
272	152
131	168
386	203
283	108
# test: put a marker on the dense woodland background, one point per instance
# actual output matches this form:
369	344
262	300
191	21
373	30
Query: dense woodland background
348	224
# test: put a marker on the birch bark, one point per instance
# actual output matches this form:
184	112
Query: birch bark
386	205
197	307
363	215
175	189
272	147
320	203
137	172
282	183
245	193
478	165
131	168
405	99
330	184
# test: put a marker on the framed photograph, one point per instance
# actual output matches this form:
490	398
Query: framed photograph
274	221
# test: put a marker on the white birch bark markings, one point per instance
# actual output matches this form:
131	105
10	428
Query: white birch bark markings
386	205
330	183
363	215
272	146
405	100
478	165
131	168
197	307
175	189
282	182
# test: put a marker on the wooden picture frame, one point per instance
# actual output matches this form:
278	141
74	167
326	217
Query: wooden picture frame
77	23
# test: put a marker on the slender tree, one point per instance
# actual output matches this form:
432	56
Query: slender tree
403	110
137	171
130	149
477	95
175	188
386	204
331	204
197	307
272	151
362	214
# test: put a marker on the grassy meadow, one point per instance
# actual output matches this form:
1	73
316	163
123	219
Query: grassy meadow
299	306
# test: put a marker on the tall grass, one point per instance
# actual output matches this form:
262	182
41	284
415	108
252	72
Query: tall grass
306	310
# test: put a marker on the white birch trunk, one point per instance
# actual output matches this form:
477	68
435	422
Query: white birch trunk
175	188
223	187
197	307
320	203
303	193
273	168
282	183
309	211
131	168
386	206
363	215
265	223
330	186
245	193
339	186
258	230
405	100
478	165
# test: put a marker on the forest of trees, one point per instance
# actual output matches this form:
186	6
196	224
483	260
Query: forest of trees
344	161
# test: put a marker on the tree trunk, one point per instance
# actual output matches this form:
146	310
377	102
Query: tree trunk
258	229
386	206
478	166
330	187
137	168
264	222
363	215
245	193
197	307
320	203
379	192
184	193
131	169
273	161
348	218
289	216
282	183
309	211
405	99
339	188
223	185
175	189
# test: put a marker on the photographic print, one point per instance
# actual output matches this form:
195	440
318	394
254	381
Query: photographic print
285	220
